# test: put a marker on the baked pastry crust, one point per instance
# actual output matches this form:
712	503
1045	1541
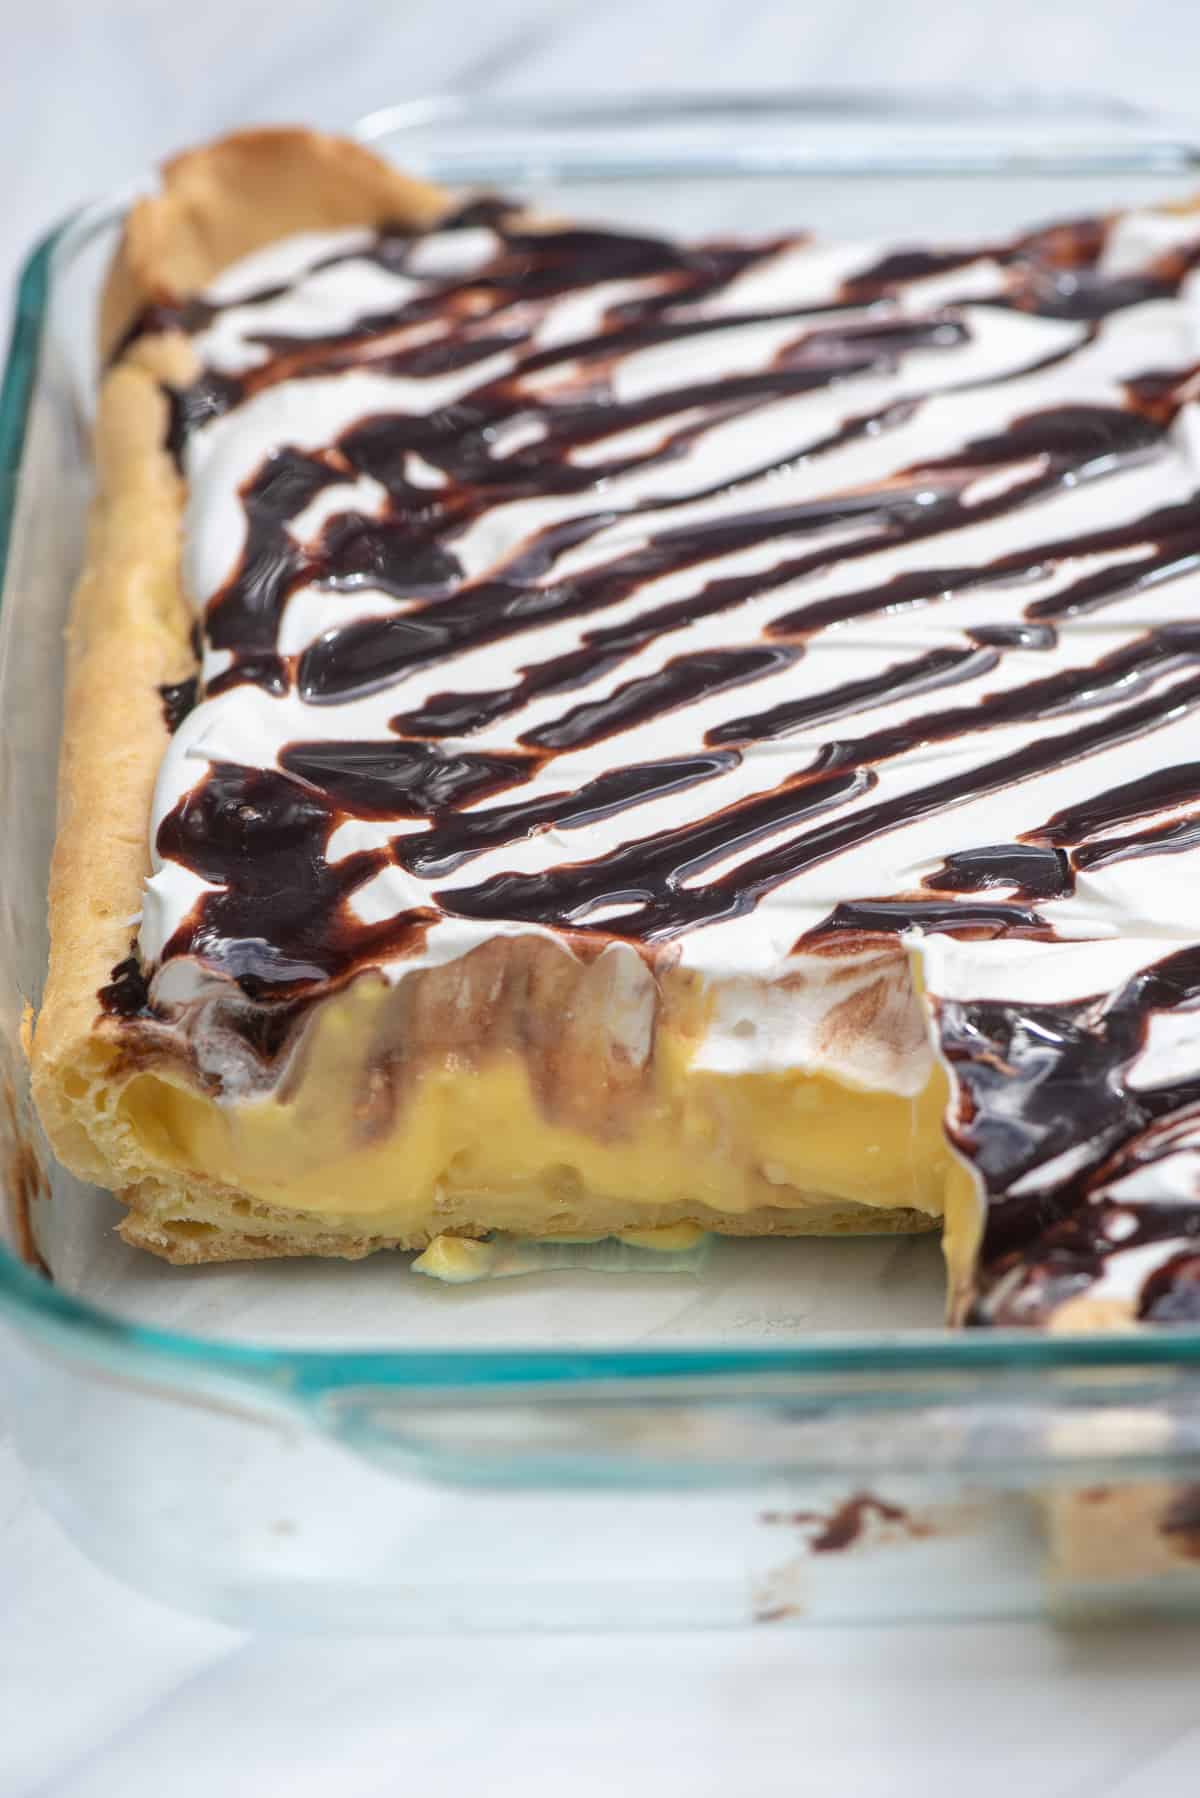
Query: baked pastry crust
130	634
127	635
129	631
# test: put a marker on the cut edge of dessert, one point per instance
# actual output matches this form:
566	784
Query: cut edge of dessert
533	1085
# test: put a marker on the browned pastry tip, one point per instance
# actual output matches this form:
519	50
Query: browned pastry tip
225	199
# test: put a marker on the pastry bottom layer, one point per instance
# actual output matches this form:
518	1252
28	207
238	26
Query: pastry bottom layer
343	1157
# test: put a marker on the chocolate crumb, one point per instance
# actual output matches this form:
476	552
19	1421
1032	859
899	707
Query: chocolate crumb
127	994
178	698
843	1526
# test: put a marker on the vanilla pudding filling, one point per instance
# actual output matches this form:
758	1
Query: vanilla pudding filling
688	733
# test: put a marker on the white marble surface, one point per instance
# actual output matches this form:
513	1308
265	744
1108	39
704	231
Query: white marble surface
106	1695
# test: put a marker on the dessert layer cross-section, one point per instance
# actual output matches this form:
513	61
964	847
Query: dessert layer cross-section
571	731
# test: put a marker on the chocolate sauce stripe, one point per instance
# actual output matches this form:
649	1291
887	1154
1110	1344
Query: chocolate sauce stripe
457	836
528	269
380	343
689	677
645	870
929	586
1131	801
367	656
1170	838
1044	861
685	680
1116	676
299	356
849	431
275	570
475	831
392	247
1128	662
668	907
897	681
600	649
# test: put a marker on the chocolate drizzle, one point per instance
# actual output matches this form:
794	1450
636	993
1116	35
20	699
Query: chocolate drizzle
127	994
264	838
178	698
847	1525
408	551
658	666
1052	1122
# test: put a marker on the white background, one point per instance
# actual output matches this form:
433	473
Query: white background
105	1695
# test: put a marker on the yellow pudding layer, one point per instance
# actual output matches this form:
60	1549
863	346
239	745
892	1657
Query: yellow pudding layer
471	1143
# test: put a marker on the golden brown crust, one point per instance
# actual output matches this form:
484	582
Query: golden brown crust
129	630
189	1225
128	633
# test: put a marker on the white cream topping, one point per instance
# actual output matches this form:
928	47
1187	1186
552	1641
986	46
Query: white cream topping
1119	913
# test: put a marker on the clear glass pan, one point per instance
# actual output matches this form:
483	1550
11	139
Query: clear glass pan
317	1446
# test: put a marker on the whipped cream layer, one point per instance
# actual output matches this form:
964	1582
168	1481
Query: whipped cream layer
759	604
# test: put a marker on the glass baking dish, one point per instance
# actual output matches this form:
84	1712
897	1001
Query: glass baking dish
784	1433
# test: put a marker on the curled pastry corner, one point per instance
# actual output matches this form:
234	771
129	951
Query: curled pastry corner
222	200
